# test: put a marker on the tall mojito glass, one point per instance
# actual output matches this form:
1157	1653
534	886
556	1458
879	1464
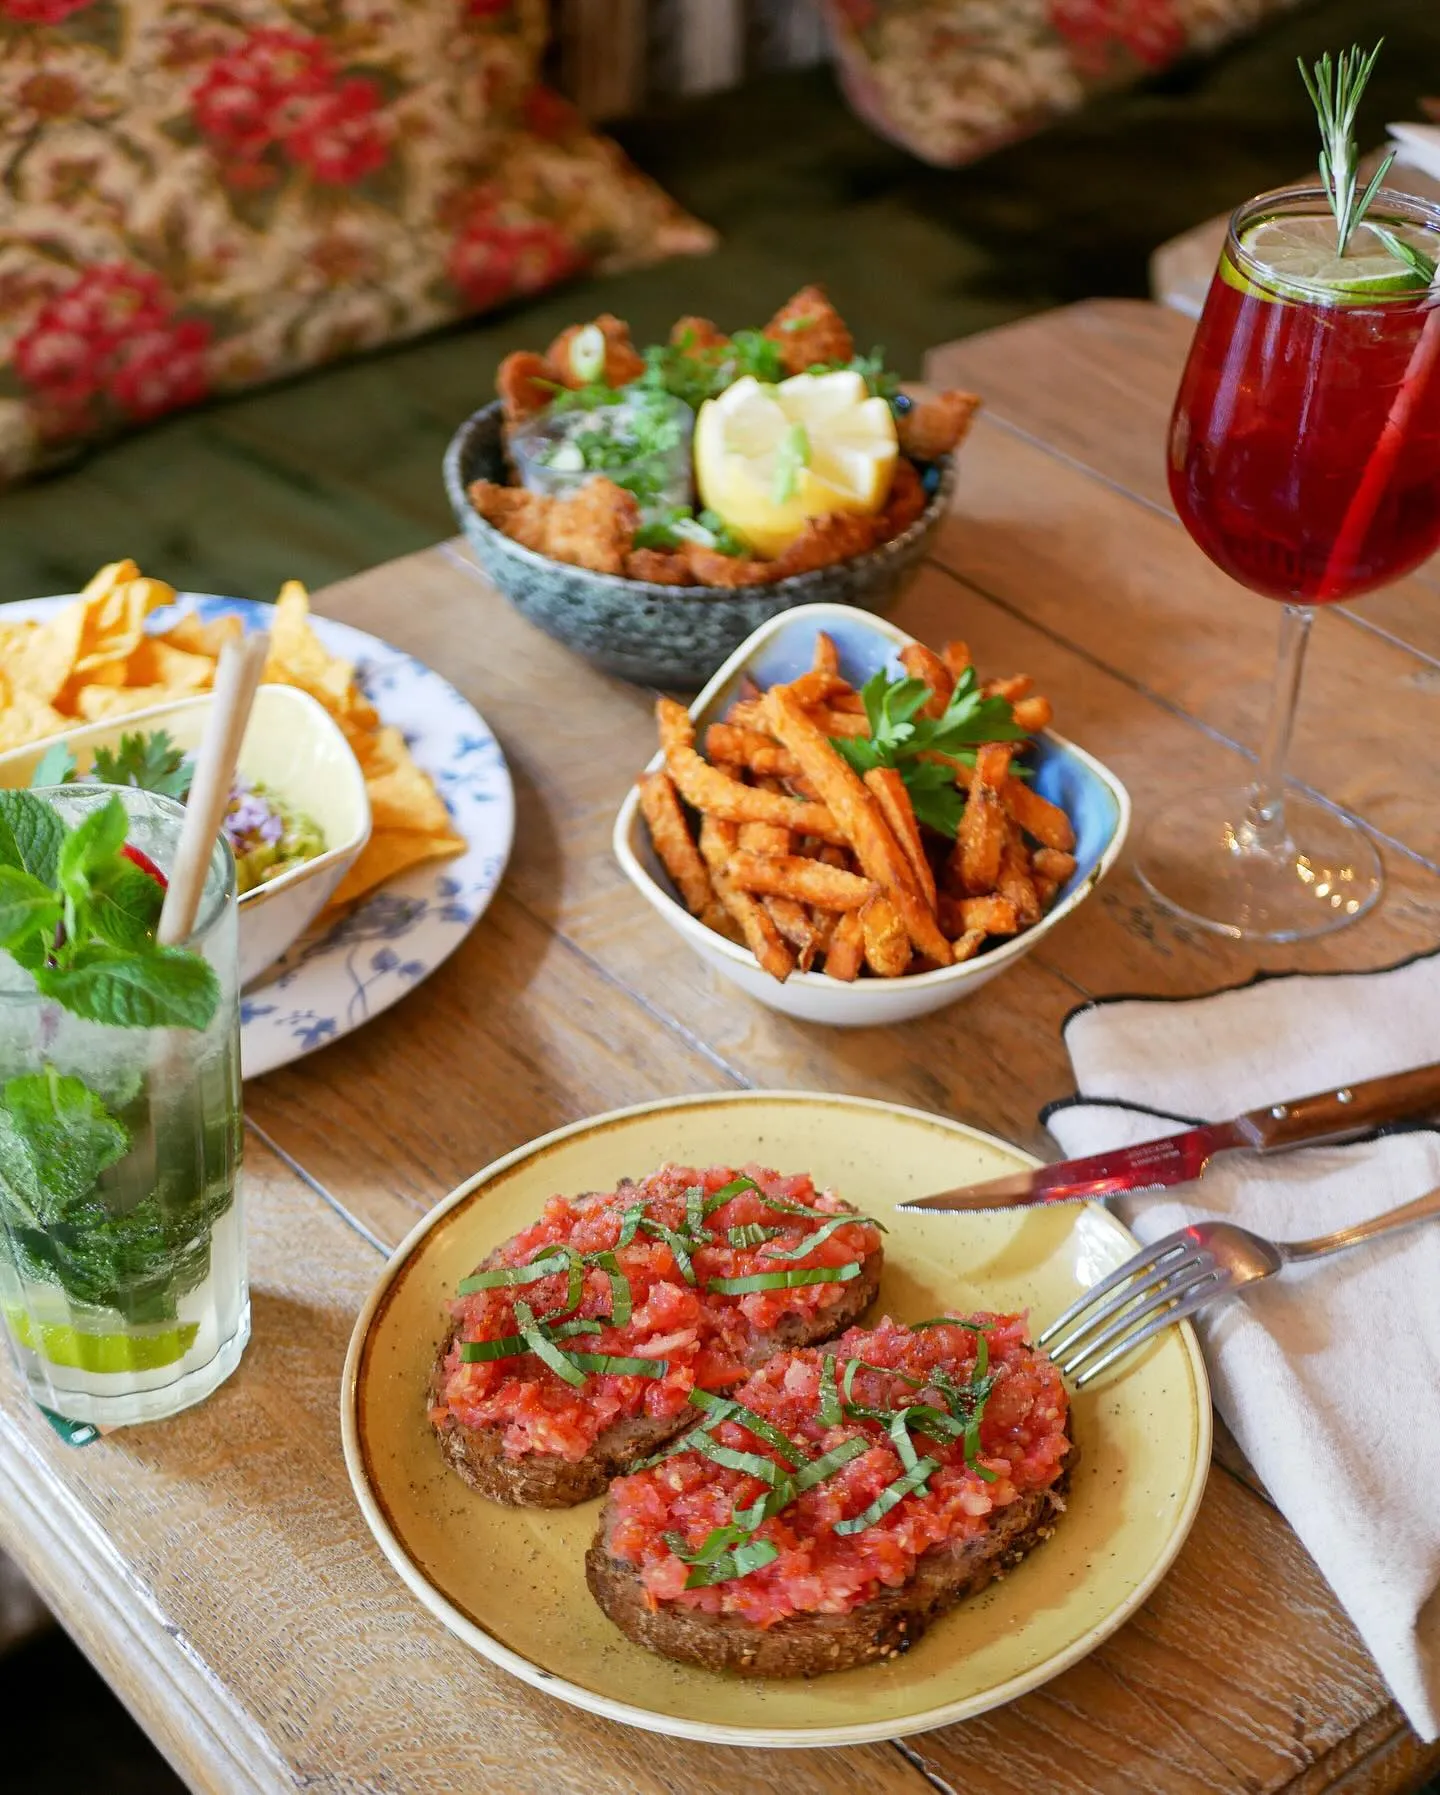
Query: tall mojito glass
122	1253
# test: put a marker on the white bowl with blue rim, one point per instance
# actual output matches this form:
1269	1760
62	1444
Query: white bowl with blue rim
1088	792
296	750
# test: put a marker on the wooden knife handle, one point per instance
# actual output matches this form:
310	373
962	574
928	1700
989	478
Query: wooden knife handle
1349	1109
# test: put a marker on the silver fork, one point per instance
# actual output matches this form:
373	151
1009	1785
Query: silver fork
1182	1273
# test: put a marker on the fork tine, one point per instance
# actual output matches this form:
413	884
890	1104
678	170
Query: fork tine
1164	1248
1162	1299
1200	1294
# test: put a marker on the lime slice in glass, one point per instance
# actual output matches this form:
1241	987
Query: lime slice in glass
1295	258
64	1345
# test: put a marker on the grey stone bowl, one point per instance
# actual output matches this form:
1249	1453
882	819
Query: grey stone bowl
671	636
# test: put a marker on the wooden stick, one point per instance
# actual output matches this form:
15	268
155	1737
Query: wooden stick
236	678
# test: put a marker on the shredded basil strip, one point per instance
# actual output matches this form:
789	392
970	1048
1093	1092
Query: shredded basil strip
854	1365
544	1349
900	1439
695	1216
811	1241
551	1261
630	1220
727	1191
819	1469
564	1330
890	1496
751	1234
768	1432
738	1563
716	1541
946	1321
784	1280
676	1244
619	1287
617	1365
784	1206
751	1463
718	1408
481	1352
831	1412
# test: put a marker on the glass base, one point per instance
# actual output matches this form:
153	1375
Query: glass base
1195	859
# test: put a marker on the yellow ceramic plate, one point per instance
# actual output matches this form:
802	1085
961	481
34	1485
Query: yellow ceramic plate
511	1582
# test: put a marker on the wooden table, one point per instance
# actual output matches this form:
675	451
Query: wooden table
215	1567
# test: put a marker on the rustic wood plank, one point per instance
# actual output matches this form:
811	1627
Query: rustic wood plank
217	1570
1098	387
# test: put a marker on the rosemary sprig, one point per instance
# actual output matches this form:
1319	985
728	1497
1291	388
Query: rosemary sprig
1336	88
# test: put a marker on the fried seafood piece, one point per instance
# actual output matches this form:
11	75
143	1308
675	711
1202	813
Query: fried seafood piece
708	567
622	363
692	335
825	540
526	385
521	515
906	502
661	566
593	527
934	423
808	329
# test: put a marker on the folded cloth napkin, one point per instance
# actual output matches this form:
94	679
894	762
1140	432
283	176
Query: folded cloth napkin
1328	1375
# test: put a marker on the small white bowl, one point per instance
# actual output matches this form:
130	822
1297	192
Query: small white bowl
1090	794
293	746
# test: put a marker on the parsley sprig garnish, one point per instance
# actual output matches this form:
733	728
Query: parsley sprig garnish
901	738
696	375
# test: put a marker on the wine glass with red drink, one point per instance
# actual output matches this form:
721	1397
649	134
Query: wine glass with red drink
1304	459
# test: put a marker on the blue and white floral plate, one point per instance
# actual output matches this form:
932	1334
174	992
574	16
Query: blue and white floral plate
335	979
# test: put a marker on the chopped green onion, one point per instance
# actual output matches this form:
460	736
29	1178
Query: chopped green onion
619	1287
727	1191
587	353
831	1412
551	1261
792	453
544	1349
811	1241
889	1497
611	1365
784	1280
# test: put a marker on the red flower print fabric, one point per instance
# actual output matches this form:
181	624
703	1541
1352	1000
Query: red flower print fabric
254	192
953	79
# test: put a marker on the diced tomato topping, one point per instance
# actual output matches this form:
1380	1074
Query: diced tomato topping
1023	1442
702	1335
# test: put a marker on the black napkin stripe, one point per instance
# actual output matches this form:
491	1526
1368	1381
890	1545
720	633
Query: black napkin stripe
1262	977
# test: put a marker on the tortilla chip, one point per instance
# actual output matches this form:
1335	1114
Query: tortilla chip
194	637
387	853
43	661
24	718
157	663
96	702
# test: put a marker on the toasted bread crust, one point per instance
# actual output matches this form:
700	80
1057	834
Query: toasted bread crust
545	1480
810	1645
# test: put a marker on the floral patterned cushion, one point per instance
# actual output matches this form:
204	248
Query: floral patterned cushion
195	197
951	79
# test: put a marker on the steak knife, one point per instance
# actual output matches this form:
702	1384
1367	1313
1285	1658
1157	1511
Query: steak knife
1182	1158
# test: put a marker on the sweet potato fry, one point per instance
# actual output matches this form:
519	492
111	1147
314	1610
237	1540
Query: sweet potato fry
894	801
815	688
847	948
826	658
924	664
1034	714
808	881
749	748
660	807
764	838
956	656
980	843
837	784
1014	882
887	946
1045	890
1051	863
1012	688
833	722
1037	816
717	844
796	925
966	946
991	915
848	700
707	789
748	713
823	924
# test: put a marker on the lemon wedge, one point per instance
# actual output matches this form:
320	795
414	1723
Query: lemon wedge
769	458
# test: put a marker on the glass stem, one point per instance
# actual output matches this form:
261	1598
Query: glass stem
1265	819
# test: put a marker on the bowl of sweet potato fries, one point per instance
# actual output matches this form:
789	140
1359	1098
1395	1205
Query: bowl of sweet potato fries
857	829
608	555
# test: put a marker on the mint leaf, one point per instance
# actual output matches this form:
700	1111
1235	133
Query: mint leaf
165	987
124	905
59	1139
56	766
27	907
97	838
30	835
